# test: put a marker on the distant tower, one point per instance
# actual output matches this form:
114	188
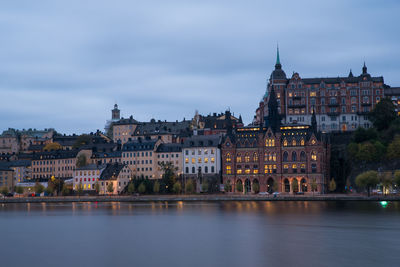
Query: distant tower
115	113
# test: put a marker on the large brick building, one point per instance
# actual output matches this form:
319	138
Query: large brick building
340	103
275	156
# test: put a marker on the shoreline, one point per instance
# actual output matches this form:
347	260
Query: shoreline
194	198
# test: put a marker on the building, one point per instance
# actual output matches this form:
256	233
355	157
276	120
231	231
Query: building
13	141
87	176
202	157
215	123
59	163
276	156
116	174
6	178
393	93
340	103
168	153
106	157
123	130
140	157
21	168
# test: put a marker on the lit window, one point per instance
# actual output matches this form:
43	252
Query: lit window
239	171
228	169
205	160
314	155
193	160
294	142
212	160
238	158
285	142
186	160
302	142
228	157
199	160
255	157
246	157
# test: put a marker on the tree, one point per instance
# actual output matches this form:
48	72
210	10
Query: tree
275	186
177	187
256	188
393	150
204	186
81	161
39	188
366	152
367	180
80	189
142	188
386	181
82	140
110	187
131	188
228	186
49	190
156	187
19	190
239	186
4	190
169	175
65	190
97	187
189	187
314	185
52	146
332	185
383	114
362	135
397	178
295	185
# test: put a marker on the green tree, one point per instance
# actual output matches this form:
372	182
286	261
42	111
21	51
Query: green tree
52	146
97	187
228	186
39	188
169	175
49	190
367	180
142	188
110	187
314	185
65	190
295	185
4	190
386	181
393	150
131	188
352	150
204	186
383	114
19	190
177	187
332	185
80	189
82	140
362	135
81	161
239	186
256	188
156	187
189	187
397	178
366	152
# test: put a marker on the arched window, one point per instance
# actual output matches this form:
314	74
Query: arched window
294	142
269	142
285	156
294	156
255	156
285	142
303	185
314	156
266	156
287	186
228	169
238	158
246	157
302	142
228	157
303	156
274	157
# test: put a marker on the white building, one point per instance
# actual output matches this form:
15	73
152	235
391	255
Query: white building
87	176
202	154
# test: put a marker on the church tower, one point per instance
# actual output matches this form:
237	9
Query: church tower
115	113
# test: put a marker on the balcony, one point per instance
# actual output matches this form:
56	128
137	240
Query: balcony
333	104
333	114
297	106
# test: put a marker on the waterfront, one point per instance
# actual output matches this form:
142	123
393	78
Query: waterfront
234	233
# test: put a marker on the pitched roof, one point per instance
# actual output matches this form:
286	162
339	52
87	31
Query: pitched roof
203	141
139	145
111	171
164	148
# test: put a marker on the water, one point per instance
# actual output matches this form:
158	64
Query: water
201	234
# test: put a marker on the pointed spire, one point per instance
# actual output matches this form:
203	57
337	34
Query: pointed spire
278	61
351	74
364	69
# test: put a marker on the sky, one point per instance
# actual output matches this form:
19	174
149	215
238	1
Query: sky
64	64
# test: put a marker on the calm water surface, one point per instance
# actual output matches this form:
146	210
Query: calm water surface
201	234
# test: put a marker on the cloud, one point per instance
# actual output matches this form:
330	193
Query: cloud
64	64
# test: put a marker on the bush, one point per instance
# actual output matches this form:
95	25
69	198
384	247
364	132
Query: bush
239	186
332	185
189	187
65	190
4	190
228	186
19	190
177	188
156	187
204	186
142	188
131	188
39	188
256	188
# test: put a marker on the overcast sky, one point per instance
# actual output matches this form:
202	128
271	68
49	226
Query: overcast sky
64	64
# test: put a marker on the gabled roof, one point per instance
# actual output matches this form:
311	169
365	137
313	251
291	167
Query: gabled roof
111	171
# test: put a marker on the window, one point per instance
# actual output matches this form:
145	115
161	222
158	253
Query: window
193	160
302	141
255	156
228	170
294	168
228	157
205	160
238	158
294	156
212	160
285	168
186	160
270	142
285	143
285	156
193	170
313	168
199	160
246	157
314	156
294	142
303	156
